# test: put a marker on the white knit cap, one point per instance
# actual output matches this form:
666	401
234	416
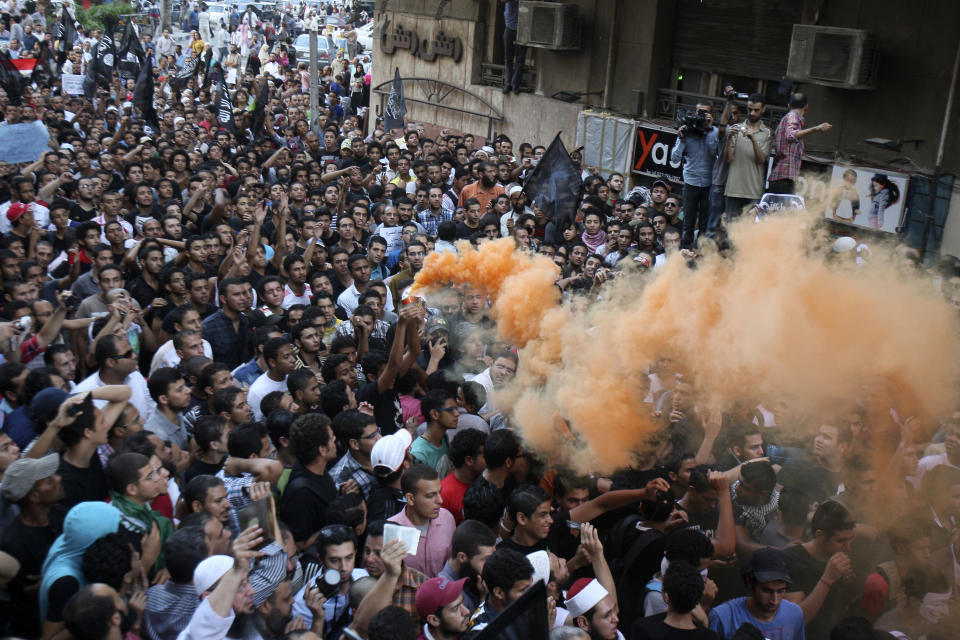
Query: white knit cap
209	571
584	595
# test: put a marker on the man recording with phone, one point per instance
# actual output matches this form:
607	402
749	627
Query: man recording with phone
697	143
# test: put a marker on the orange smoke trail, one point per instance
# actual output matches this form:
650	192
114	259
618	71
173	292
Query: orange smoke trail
774	322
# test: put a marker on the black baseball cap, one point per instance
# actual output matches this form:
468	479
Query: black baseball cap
768	564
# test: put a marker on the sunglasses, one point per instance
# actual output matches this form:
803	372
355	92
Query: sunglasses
123	356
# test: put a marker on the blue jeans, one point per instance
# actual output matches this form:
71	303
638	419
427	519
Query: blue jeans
696	210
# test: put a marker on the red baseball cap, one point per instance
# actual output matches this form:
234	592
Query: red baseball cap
436	593
16	210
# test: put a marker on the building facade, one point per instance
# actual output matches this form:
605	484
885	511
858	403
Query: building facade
642	59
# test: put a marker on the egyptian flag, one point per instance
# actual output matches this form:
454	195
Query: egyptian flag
131	54
183	76
143	94
555	184
24	65
66	35
225	109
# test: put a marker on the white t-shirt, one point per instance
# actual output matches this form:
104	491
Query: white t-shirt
290	298
259	390
166	355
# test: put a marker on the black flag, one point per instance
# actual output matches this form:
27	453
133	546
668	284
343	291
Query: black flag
106	52
396	105
143	94
183	76
260	107
66	35
100	69
555	184
131	54
10	79
225	109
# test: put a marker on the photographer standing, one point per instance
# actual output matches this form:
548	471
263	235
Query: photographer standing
788	145
697	142
746	151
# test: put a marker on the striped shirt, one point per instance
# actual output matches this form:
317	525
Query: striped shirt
787	148
169	609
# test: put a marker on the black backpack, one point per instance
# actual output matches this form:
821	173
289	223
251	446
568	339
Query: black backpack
633	552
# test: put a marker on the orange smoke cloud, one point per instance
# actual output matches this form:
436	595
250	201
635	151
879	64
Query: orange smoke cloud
774	322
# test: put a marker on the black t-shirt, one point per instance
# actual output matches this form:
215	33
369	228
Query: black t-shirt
465	232
200	468
386	407
79	214
29	545
510	543
143	292
655	628
805	571
60	592
83	485
303	506
561	539
705	523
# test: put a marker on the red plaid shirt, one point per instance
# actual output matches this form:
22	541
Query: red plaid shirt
787	148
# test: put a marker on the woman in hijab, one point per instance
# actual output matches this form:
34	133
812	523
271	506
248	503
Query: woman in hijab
62	573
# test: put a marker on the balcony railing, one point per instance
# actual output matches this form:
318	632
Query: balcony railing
669	100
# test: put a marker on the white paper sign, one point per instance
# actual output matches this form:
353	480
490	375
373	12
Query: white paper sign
72	84
410	536
393	236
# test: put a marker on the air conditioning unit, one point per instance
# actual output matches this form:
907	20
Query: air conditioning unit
833	57
548	25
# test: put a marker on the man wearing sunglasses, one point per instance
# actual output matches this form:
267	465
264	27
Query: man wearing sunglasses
117	364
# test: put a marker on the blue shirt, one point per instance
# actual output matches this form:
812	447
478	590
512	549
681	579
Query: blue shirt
247	373
229	346
700	152
726	618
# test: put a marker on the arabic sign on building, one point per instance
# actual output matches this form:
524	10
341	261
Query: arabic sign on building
428	49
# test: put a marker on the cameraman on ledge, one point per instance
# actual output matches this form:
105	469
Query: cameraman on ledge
697	142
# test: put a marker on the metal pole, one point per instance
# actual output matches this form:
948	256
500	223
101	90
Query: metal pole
314	81
930	218
611	56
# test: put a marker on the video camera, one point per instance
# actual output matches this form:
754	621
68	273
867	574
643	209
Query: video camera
694	121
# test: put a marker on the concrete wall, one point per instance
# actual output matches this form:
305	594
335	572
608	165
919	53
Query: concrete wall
918	45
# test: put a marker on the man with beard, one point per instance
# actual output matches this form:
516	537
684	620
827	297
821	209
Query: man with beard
274	618
485	189
97	612
415	253
473	543
746	151
441	606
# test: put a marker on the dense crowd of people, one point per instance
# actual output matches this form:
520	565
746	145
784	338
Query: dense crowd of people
225	415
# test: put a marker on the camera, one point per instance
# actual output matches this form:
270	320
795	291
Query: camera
70	302
328	581
694	121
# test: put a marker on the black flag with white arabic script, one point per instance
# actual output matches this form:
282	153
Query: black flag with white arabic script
396	105
555	184
183	76
131	54
225	109
66	35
